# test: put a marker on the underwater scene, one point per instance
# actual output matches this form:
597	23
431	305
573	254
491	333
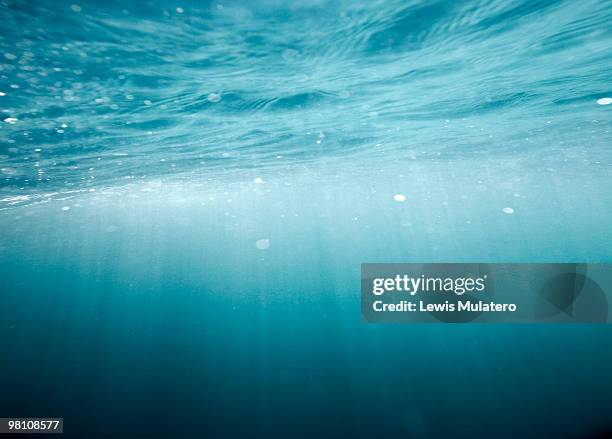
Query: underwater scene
188	190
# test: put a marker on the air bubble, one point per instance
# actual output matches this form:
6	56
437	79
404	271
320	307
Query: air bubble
262	244
213	97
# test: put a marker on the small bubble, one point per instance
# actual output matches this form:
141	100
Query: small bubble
508	210
213	97
262	244
604	101
180	10
400	198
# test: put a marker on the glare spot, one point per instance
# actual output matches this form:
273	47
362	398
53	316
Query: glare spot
66	208
213	97
147	102
10	56
258	180
2	93
11	120
75	8
400	198
604	101
262	244
180	10
508	210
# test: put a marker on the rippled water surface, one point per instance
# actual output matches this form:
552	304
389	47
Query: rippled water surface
99	92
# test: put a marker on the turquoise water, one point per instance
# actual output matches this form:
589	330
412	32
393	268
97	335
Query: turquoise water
187	192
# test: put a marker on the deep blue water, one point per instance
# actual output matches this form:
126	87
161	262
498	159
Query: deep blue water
188	189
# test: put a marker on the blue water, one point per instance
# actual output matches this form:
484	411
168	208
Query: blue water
188	189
